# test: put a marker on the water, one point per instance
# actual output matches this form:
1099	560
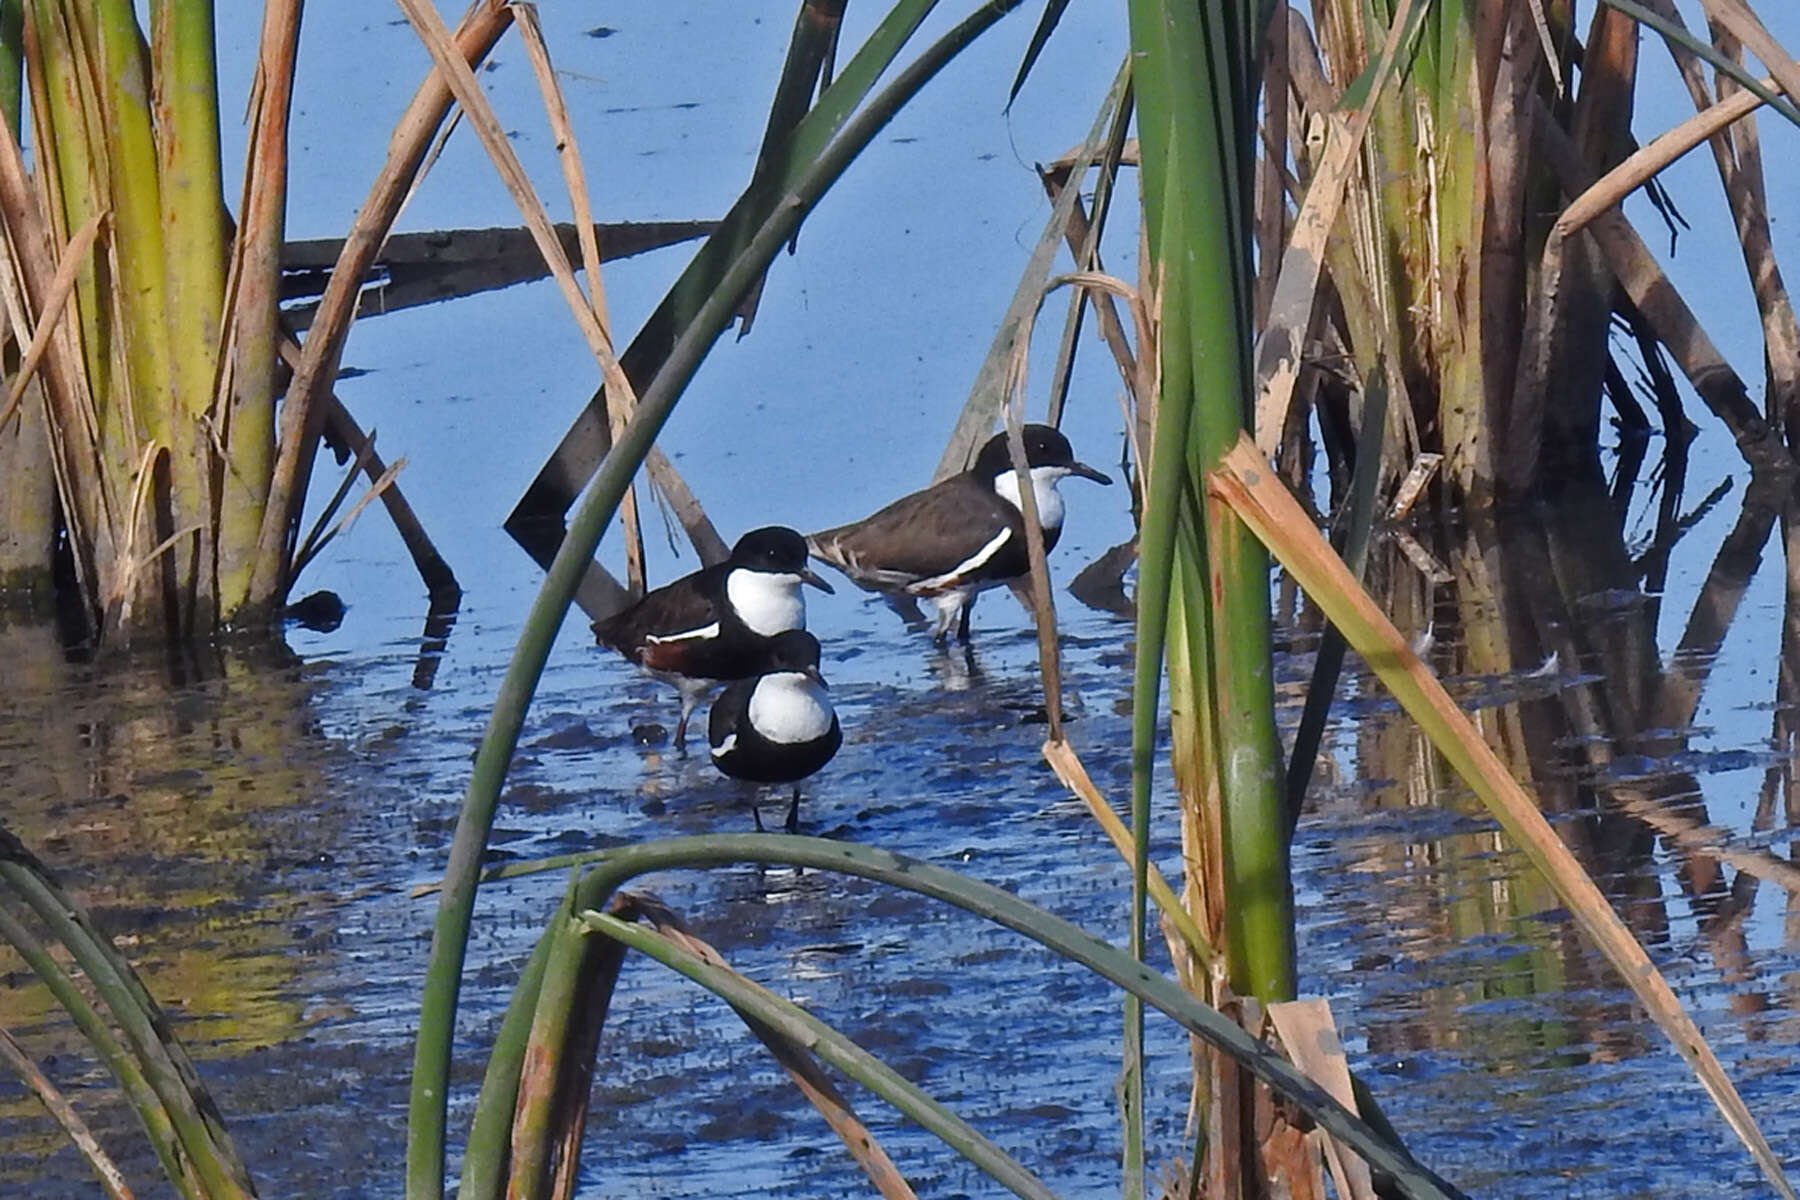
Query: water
253	833
254	838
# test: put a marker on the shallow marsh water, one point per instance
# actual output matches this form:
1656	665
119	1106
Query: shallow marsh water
253	834
254	838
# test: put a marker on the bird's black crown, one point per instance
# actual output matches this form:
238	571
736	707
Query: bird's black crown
792	650
1045	446
773	548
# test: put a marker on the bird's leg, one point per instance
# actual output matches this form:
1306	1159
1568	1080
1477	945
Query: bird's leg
962	624
756	814
945	608
689	701
792	825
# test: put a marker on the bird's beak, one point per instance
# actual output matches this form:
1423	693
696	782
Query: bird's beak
1087	472
808	575
812	673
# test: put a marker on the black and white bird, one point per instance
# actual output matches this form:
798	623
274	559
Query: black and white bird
714	626
959	537
779	726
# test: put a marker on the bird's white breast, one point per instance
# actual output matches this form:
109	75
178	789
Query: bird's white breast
768	604
789	707
1043	490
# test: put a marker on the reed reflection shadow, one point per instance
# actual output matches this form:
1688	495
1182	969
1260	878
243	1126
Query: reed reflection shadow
1605	737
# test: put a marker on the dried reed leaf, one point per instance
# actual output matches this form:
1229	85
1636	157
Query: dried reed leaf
1310	1037
1280	345
64	1114
429	25
1063	760
801	1066
1547	41
1665	148
1263	503
316	541
55	301
620	397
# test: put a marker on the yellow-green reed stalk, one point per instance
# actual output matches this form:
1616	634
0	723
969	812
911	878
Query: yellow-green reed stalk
66	138
27	490
192	225
1425	188
1196	86
1197	95
138	300
120	62
12	64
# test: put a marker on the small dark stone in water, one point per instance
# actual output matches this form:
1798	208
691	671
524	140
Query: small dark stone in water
804	1152
650	734
1049	1112
653	808
601	31
570	737
1372	962
320	612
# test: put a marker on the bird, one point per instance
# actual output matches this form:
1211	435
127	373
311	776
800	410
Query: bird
960	536
714	625
777	726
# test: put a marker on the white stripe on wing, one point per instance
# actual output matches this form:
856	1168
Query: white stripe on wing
691	635
974	562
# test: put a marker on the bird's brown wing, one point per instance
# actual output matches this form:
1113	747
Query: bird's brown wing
918	537
680	607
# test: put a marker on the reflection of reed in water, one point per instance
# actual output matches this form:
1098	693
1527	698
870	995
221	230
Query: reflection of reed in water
1602	737
168	809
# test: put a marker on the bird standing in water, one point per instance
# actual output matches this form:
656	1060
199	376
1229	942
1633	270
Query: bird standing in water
778	726
715	625
957	538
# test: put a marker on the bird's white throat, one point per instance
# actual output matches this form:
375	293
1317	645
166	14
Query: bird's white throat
1043	490
789	707
766	602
